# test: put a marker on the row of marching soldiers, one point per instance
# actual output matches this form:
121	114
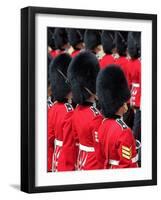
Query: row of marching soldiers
94	89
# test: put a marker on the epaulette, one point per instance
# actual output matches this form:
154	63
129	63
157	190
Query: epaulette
68	107
121	123
49	102
95	110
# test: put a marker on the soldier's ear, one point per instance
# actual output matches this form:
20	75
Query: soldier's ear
125	107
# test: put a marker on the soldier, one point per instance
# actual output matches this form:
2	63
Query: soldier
121	50
134	76
92	40
123	60
134	67
61	41
76	41
107	39
82	74
49	92
51	42
114	142
60	112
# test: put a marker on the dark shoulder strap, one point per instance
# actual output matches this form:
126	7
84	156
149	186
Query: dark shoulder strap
121	123
69	107
95	110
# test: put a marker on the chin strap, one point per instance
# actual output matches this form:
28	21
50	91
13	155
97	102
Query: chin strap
91	93
65	78
67	81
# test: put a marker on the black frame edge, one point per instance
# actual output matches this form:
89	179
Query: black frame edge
27	100
92	13
154	99
24	102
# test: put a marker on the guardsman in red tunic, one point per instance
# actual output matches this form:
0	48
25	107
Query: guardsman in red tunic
114	142
82	74
107	39
61	42
121	50
76	41
60	111
122	60
92	40
51	42
134	69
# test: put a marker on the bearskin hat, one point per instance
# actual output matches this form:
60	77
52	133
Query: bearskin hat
121	42
58	73
112	89
92	38
51	41
60	38
82	31
74	37
134	44
82	73
107	39
48	64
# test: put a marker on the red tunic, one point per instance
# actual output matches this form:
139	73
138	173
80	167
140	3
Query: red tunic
74	53
134	76
83	127
69	152
57	117
123	61
115	145
56	52
107	59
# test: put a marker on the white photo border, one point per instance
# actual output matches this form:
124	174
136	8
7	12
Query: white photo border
42	178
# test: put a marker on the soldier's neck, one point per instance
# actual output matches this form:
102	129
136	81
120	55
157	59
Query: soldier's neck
91	99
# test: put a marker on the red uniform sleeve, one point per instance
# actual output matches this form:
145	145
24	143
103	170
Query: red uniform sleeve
51	138
126	150
69	150
97	143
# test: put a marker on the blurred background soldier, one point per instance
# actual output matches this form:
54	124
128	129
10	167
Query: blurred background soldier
134	76
121	50
51	42
115	144
92	40
76	41
61	41
82	74
51	50
122	60
107	39
59	110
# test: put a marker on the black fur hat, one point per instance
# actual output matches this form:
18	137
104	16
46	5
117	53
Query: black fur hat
60	38
82	73
74	37
134	44
51	41
82	32
121	42
107	39
58	73
112	89
92	38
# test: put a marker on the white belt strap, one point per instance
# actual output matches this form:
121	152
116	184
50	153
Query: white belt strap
58	143
113	162
135	159
135	84
116	162
86	148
